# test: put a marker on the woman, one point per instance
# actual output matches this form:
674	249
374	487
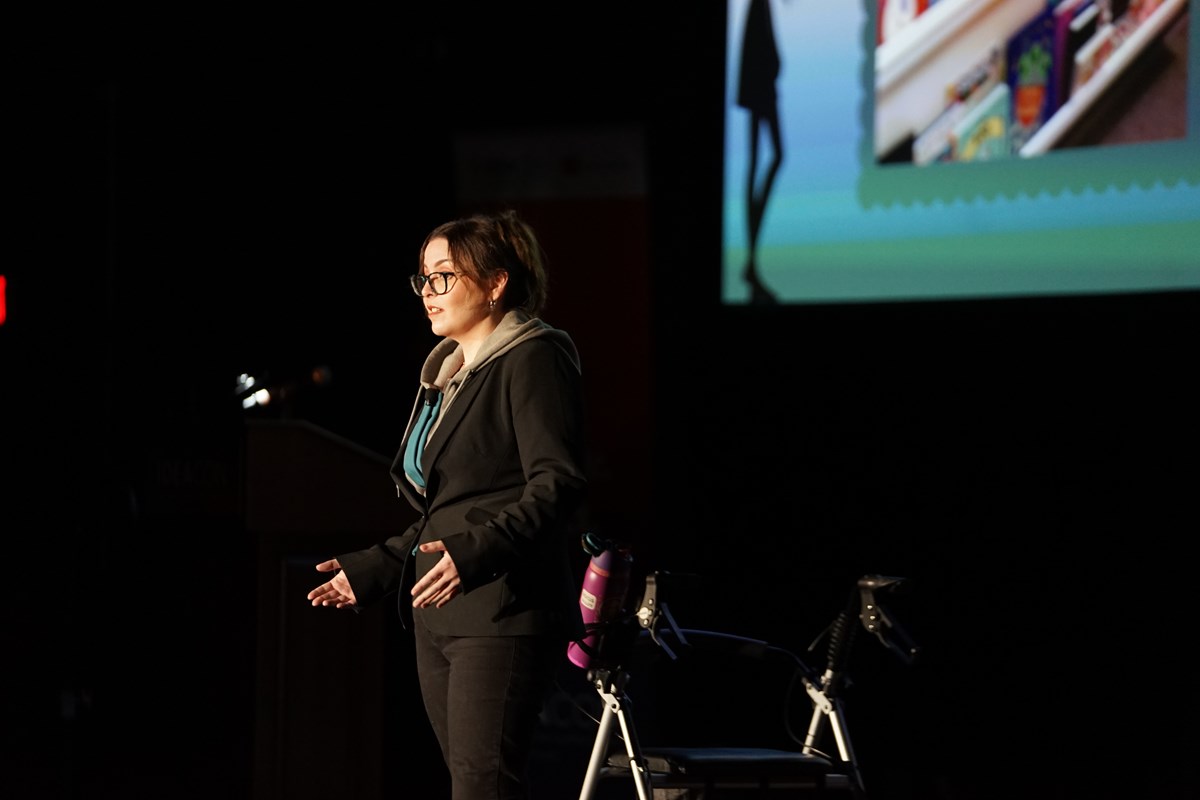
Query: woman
492	459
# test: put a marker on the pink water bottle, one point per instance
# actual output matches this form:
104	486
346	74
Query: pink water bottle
602	598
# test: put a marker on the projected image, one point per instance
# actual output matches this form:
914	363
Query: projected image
885	150
972	81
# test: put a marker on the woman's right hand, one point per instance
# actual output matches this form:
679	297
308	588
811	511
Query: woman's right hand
336	591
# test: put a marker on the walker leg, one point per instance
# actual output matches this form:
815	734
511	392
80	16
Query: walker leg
599	752
814	730
637	766
837	721
613	708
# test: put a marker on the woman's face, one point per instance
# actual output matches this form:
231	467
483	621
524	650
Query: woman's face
461	313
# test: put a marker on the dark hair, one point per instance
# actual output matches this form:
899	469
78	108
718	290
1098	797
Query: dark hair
486	245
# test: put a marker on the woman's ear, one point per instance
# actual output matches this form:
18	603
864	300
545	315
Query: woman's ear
498	287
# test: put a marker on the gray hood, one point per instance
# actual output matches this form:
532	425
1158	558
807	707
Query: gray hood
444	367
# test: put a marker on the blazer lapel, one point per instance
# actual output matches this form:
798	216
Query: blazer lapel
451	418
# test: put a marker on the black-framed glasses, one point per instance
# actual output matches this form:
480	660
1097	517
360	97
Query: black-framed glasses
439	282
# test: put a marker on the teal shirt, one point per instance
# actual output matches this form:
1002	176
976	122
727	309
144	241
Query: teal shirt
416	442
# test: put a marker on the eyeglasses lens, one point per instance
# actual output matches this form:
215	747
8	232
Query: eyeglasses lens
439	282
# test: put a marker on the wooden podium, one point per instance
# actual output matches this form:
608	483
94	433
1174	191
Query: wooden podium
321	701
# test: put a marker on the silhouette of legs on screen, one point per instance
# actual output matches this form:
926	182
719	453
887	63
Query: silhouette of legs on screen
759	71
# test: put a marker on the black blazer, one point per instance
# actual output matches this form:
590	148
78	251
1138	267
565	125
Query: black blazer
504	479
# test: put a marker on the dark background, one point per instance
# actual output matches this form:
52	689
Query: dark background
194	198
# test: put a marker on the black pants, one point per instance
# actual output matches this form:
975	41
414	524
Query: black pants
483	695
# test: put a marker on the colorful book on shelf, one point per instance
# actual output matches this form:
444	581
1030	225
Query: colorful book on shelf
1093	54
1083	25
983	132
933	143
1031	77
1064	13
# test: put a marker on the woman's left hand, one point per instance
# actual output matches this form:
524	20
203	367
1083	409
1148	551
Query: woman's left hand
441	584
